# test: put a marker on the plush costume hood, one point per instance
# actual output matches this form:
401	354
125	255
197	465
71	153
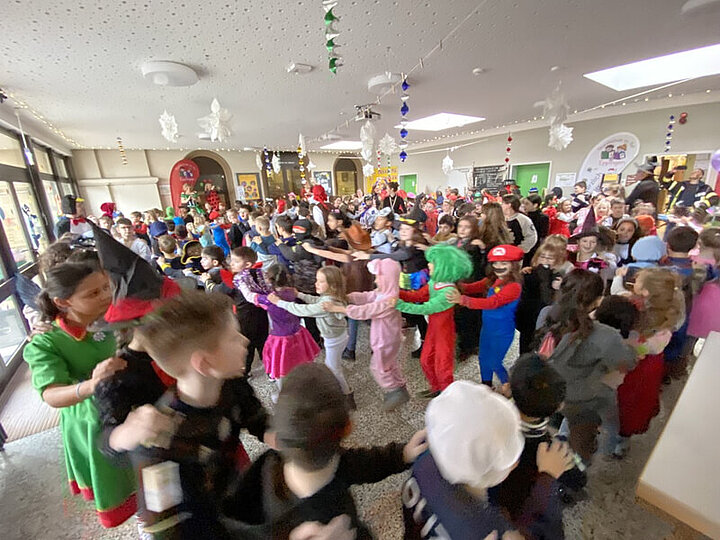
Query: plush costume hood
388	276
450	264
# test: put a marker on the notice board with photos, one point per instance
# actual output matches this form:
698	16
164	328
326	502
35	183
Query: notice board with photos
490	177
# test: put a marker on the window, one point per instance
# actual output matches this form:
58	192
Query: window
61	166
12	330
12	223
53	198
31	216
67	188
43	160
11	151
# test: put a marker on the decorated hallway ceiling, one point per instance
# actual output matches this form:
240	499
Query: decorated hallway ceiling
78	62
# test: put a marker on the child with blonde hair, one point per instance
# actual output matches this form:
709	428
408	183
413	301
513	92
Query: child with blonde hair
330	286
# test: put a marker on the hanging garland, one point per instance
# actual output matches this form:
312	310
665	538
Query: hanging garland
268	163
508	149
121	148
334	60
669	135
301	163
404	110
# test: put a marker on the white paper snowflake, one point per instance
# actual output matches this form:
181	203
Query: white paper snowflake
216	123
169	127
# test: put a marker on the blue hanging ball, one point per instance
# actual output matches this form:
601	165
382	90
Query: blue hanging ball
403	133
403	155
669	134
405	85
672	117
404	109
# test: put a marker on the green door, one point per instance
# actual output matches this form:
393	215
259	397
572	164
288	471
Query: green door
534	175
408	182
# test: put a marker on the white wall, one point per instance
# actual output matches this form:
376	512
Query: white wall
700	133
102	177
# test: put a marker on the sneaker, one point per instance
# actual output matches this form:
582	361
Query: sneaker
350	398
395	398
348	355
428	394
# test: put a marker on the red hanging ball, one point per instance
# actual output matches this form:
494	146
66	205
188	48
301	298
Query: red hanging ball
507	160
507	149
509	139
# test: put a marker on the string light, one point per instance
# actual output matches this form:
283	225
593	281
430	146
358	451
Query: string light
23	105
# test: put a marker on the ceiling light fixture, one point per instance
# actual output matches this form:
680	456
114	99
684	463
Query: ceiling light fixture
343	145
673	67
169	74
441	121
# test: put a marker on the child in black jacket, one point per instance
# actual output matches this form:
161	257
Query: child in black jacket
309	479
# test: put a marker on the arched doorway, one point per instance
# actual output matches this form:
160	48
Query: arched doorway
216	171
348	175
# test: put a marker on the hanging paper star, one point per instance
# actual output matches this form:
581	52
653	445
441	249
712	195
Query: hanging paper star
555	108
216	123
169	127
258	161
387	145
301	145
276	163
311	166
560	136
367	138
447	164
368	169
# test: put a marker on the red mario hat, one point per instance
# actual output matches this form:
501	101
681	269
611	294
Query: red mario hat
505	253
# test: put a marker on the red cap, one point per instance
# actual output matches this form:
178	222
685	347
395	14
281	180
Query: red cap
505	253
213	215
281	205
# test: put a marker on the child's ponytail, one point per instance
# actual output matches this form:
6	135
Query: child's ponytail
61	282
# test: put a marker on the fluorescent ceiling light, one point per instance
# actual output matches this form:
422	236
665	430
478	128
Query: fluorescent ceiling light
440	121
663	69
343	145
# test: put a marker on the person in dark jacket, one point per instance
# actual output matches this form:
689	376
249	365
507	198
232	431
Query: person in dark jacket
393	200
647	189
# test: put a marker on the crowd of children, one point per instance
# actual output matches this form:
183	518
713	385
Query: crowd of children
146	343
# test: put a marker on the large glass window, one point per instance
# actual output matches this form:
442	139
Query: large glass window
31	215
12	329
43	160
53	198
12	222
61	167
11	151
67	188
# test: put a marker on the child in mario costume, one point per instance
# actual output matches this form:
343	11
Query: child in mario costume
498	321
447	265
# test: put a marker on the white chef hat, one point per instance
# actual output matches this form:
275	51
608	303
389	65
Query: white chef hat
473	434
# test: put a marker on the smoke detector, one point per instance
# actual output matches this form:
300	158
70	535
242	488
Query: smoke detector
169	74
380	84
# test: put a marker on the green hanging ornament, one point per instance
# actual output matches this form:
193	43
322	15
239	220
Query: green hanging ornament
330	17
334	63
330	45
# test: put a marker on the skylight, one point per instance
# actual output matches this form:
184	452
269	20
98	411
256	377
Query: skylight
663	69
440	121
343	145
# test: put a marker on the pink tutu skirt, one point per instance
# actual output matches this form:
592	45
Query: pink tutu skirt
282	353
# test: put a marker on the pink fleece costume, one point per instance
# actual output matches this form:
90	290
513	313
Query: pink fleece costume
386	322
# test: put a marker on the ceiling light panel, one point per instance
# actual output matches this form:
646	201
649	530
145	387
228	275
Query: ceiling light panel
690	64
441	121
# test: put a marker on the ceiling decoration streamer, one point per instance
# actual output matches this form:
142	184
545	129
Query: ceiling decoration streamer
331	33
404	110
669	134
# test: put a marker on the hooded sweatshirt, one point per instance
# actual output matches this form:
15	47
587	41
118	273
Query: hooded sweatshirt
371	305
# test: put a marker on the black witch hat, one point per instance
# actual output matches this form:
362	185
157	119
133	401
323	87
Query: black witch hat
136	284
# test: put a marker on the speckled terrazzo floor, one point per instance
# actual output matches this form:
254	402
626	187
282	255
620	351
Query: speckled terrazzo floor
35	504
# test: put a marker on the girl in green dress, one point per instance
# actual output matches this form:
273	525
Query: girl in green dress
67	363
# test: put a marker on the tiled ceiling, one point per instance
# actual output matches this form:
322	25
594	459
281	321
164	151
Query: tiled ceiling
77	62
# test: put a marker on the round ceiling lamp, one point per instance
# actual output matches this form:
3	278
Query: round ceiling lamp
169	74
380	84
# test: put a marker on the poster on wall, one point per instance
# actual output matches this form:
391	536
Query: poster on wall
490	177
565	181
383	175
247	186
324	179
183	177
609	156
